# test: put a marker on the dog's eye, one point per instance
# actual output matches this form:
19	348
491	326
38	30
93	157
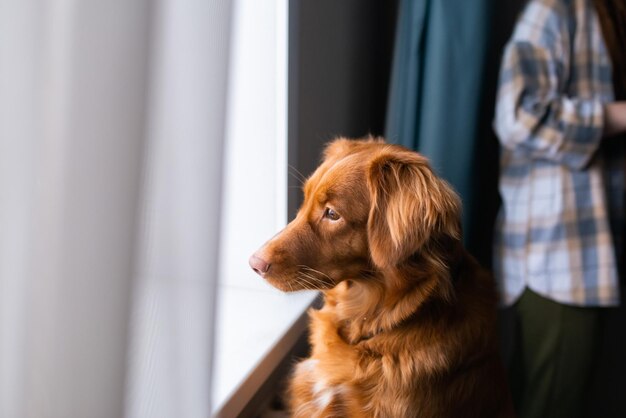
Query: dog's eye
331	214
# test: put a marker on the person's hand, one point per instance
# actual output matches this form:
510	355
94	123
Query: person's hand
614	118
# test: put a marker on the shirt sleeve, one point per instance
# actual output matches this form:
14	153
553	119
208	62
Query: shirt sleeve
534	115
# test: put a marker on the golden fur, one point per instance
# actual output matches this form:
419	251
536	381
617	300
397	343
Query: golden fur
408	324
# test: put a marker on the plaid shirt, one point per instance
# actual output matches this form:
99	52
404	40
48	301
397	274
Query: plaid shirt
561	184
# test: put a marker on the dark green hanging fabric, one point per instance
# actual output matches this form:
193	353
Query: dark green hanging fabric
442	95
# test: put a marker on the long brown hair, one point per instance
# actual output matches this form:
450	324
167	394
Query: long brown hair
612	14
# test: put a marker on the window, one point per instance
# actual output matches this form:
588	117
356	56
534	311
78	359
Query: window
256	324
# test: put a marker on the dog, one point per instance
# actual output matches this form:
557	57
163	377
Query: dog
407	328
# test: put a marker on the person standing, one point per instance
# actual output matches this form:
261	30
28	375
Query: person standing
558	250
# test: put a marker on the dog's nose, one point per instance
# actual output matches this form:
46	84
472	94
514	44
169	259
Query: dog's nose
259	265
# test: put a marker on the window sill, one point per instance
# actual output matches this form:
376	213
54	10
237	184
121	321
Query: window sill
255	330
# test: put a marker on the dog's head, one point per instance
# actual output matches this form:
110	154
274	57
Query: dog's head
368	207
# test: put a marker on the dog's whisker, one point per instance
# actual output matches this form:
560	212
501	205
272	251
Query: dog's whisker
299	282
313	278
308	274
311	272
304	266
298	180
318	272
295	170
309	285
315	283
300	177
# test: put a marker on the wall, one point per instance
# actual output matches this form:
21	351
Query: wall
339	62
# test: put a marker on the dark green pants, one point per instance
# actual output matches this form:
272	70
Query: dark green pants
554	357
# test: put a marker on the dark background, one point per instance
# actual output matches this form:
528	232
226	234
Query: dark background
340	56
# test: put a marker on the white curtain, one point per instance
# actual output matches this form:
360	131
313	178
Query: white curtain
111	127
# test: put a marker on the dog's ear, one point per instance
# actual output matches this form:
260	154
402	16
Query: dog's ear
409	204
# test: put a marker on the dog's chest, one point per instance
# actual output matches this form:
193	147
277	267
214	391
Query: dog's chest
330	389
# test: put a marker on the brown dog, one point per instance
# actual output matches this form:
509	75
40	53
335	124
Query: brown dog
408	324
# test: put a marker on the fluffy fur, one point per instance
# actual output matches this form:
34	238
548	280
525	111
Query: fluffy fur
408	323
